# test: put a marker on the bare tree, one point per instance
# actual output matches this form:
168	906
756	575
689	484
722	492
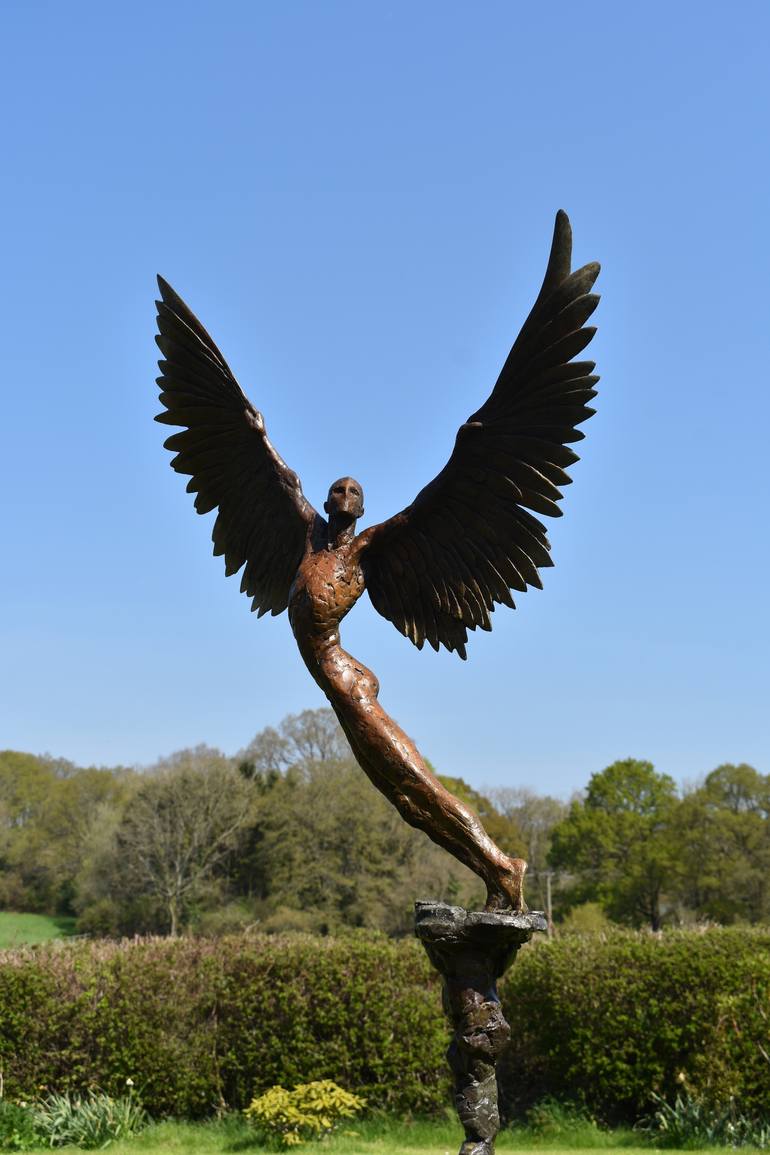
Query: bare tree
536	815
300	741
180	826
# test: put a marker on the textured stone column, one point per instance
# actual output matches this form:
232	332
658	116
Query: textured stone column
471	950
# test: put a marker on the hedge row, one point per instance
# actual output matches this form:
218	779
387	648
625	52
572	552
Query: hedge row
606	1021
201	1024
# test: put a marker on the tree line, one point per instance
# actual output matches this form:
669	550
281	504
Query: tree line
289	834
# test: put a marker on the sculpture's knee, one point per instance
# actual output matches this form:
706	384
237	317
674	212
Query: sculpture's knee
364	685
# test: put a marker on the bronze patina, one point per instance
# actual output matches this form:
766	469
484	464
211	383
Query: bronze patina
435	570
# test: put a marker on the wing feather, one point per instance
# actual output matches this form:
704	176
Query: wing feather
438	568
263	518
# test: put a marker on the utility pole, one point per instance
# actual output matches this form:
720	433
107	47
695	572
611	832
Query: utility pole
548	906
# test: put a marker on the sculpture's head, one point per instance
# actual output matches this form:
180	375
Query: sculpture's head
345	502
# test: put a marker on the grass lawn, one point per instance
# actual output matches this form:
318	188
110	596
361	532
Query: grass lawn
28	929
371	1138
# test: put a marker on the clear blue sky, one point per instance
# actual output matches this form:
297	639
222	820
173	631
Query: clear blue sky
357	200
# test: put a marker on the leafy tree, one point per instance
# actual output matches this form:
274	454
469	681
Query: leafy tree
300	742
618	840
47	810
337	851
723	831
25	781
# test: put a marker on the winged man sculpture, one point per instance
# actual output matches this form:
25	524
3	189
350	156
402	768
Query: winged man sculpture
435	570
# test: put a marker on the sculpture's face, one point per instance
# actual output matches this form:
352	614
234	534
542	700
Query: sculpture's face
346	500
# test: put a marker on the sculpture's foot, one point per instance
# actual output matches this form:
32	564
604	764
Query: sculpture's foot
507	891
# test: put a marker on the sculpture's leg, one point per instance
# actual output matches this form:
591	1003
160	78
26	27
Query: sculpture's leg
392	762
425	803
471	951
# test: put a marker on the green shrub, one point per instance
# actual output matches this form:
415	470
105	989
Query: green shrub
17	1127
310	1111
587	918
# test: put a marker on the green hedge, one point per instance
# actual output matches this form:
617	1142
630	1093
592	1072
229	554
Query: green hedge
606	1020
199	1024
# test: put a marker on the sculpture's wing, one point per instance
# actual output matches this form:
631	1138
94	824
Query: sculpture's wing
437	568
263	517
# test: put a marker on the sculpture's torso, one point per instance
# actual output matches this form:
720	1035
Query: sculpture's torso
328	584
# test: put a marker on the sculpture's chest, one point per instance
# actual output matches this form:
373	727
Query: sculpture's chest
327	585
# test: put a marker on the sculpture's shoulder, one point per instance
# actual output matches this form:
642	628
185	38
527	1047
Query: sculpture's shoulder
364	539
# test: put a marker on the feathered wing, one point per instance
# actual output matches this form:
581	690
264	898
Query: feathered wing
437	568
263	517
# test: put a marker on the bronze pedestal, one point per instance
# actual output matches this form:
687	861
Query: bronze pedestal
471	950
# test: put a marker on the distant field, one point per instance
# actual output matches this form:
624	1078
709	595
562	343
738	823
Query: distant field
27	929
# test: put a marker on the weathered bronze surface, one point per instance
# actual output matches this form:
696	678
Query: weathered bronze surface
471	951
435	570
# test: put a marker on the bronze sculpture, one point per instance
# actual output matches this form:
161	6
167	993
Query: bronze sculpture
435	570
